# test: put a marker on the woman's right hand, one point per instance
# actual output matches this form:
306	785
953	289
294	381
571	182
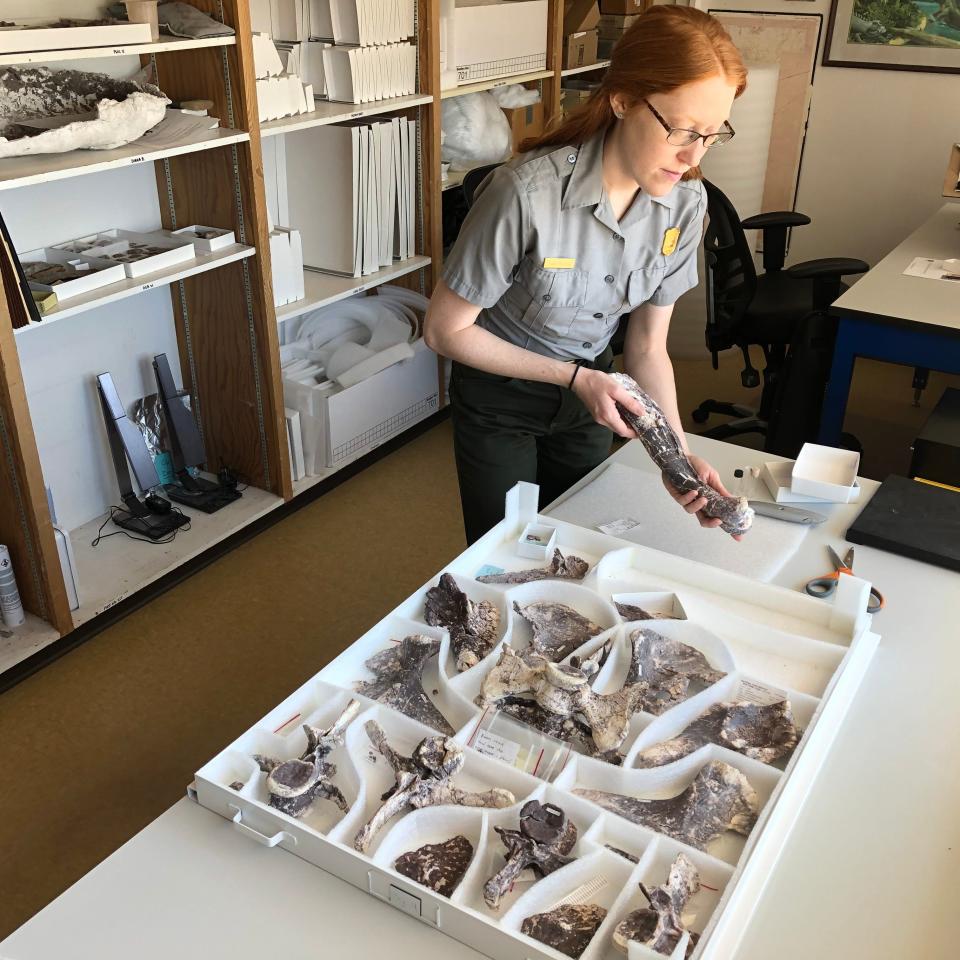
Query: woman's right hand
600	394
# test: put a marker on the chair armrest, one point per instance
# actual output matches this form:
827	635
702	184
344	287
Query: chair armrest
778	218
827	268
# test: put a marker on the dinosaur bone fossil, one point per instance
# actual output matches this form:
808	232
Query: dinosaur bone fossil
568	928
423	780
399	680
719	799
558	630
439	866
630	612
662	443
561	568
660	925
565	691
545	837
472	626
667	666
294	785
765	732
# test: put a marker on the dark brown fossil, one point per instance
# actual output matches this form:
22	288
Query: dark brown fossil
545	837
560	568
472	626
663	445
558	629
631	612
719	799
569	928
399	681
439	866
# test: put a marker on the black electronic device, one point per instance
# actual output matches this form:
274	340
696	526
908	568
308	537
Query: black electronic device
127	444
186	449
157	504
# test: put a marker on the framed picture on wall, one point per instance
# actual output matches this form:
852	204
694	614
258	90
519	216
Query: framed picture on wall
919	35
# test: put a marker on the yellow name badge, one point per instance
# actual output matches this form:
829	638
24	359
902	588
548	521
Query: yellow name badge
559	263
670	240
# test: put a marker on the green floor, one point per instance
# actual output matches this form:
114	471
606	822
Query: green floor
99	743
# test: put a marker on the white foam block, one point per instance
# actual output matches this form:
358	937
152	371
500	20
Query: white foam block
622	491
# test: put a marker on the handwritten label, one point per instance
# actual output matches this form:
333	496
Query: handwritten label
500	748
137	159
760	693
617	527
111	603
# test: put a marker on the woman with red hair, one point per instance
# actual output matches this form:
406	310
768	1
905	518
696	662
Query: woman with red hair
599	217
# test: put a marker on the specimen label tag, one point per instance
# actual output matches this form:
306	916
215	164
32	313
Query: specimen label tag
500	748
670	240
488	570
559	263
760	693
616	527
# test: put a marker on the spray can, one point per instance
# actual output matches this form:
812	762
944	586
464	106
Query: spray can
10	607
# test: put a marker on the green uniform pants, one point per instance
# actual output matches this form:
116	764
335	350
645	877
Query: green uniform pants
507	430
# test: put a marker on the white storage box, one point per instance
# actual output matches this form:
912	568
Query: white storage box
483	49
19	39
341	425
207	239
777	476
99	273
766	643
139	253
537	541
826	473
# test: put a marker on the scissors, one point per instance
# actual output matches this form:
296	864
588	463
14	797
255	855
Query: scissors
824	586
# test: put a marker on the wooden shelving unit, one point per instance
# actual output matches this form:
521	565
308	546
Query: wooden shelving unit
586	68
226	328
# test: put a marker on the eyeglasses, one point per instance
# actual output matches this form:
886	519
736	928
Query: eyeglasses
683	138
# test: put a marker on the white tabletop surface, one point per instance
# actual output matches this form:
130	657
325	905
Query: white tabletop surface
870	871
884	291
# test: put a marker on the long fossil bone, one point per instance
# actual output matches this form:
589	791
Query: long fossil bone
662	443
560	568
423	780
295	785
545	837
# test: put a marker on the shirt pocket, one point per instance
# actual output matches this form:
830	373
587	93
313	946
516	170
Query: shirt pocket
555	298
642	284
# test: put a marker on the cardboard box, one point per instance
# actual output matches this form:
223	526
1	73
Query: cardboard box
614	26
624	6
570	98
524	122
580	49
580	15
484	49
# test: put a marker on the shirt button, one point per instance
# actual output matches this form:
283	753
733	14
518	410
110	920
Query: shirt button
587	345
609	278
546	298
598	316
572	158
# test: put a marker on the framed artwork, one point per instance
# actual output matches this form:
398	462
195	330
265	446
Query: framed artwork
919	35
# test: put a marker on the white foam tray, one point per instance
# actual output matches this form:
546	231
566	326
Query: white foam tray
815	653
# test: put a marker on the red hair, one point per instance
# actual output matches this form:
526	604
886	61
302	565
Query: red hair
667	47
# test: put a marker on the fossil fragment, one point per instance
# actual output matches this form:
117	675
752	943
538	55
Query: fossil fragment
472	626
423	780
560	568
660	926
295	785
667	666
622	853
439	866
630	611
545	837
663	445
765	732
719	799
565	691
399	681
558	630
568	928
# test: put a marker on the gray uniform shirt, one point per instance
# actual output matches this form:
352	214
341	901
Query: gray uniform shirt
544	256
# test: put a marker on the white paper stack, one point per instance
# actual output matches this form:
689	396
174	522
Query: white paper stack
280	90
370	22
360	74
286	258
359	215
281	19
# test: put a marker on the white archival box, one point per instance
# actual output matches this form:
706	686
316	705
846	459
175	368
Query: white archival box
770	642
483	49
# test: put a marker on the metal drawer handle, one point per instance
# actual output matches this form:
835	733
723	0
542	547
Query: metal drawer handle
256	834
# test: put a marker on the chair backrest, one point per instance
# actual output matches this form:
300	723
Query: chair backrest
732	280
473	178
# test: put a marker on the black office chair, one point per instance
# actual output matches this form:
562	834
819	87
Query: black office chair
766	310
473	178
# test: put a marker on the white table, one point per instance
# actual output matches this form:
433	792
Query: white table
868	873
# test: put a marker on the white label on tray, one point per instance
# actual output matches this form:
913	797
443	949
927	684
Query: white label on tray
615	527
493	745
754	692
585	893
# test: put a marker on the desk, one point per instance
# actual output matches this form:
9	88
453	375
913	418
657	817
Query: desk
887	316
868	873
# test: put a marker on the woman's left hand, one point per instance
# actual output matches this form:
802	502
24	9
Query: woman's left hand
690	501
